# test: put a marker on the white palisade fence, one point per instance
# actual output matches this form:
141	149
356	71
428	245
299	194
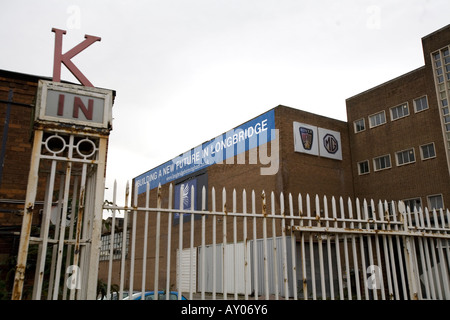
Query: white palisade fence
281	247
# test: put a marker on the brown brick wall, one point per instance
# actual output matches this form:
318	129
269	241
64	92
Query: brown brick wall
297	173
19	142
228	176
303	173
13	184
418	179
435	41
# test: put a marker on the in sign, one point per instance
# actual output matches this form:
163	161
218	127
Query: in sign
70	106
74	104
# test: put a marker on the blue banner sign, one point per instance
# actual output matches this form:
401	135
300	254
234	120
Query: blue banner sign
251	134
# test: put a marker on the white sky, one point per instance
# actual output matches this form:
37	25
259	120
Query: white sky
185	71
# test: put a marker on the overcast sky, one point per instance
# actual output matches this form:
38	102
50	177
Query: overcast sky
185	71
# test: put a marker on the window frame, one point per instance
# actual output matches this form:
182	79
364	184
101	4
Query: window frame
375	114
435	196
359	167
117	243
375	169
422	157
415	104
363	124
402	107
408	201
401	152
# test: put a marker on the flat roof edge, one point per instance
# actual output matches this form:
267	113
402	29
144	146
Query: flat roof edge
386	83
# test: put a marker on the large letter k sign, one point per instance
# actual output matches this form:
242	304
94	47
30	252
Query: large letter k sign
66	57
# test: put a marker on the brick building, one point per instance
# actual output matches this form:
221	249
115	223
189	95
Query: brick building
399	132
280	168
395	145
279	150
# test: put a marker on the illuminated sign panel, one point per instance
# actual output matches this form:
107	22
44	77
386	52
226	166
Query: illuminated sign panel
74	104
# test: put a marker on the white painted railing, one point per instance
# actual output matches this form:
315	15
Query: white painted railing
294	248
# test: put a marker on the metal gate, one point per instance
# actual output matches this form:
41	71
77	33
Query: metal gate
67	169
66	246
324	248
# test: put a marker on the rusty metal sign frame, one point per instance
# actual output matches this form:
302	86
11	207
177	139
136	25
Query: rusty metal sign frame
73	155
44	87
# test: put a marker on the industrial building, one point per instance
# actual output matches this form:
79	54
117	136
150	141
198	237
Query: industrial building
395	145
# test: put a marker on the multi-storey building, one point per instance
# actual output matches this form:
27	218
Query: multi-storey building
399	132
394	146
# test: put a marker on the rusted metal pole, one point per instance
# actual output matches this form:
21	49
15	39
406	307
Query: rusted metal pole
27	217
97	220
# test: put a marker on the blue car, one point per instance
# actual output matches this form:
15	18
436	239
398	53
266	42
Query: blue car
150	295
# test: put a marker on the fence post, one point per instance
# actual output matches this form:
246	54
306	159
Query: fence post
169	241
27	219
96	231
407	248
293	249
124	241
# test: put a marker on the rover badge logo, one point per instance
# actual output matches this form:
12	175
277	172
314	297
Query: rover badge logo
330	143
307	136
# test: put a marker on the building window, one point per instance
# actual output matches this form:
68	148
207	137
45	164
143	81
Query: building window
399	111
413	204
427	151
441	66
405	157
363	167
447	123
420	104
377	119
359	125
381	163
435	202
117	246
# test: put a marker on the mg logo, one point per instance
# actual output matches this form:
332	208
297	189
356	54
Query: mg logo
330	143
